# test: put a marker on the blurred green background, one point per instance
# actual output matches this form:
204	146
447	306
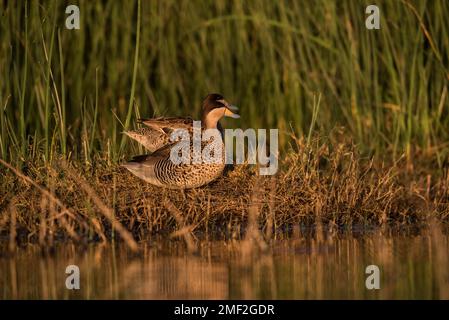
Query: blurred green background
72	92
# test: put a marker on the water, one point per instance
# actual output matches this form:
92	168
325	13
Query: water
410	268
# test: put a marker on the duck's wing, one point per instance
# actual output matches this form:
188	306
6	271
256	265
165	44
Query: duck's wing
154	168
160	154
151	139
168	124
157	131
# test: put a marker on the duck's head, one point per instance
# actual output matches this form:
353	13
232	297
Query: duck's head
216	107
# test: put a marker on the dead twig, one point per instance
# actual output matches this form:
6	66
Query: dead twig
184	231
107	212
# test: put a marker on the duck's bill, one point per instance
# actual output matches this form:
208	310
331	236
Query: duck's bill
229	113
233	108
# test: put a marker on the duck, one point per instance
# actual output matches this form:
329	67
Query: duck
156	135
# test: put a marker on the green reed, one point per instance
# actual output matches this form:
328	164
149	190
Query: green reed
59	87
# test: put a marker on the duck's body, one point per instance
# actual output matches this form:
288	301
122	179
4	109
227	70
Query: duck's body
158	167
159	170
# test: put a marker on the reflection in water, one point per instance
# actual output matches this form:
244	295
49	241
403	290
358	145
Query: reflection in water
411	268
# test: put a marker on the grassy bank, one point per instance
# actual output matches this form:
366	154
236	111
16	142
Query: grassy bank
322	189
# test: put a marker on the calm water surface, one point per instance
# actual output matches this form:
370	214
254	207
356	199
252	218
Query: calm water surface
410	268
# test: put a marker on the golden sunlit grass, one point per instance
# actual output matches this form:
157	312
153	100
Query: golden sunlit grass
320	188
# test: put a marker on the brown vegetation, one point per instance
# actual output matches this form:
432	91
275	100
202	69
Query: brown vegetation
319	188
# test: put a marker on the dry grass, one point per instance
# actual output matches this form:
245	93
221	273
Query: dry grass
324	186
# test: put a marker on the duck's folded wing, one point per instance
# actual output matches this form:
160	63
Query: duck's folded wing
157	131
155	168
151	139
167	124
161	153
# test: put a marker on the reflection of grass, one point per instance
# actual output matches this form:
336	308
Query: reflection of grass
413	267
70	92
331	187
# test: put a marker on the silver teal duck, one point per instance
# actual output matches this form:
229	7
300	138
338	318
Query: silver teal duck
158	168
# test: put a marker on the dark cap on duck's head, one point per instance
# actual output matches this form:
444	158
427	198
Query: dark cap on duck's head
215	107
212	99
